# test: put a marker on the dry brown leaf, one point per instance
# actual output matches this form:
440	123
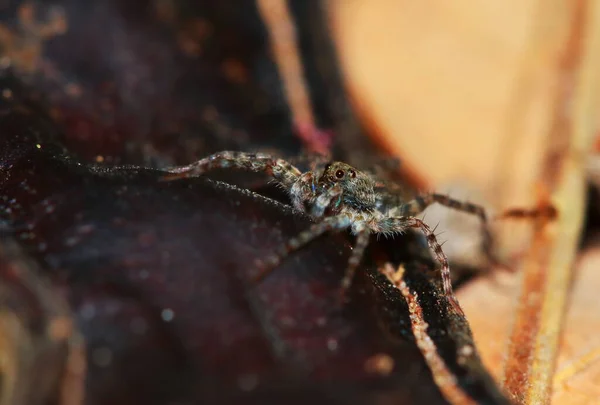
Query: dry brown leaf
501	97
576	378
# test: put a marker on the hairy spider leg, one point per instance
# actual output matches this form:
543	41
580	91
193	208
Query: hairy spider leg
398	224
362	240
327	224
281	170
420	203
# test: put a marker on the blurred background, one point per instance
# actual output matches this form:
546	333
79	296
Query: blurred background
474	97
491	102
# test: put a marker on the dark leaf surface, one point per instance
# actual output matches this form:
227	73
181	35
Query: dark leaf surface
156	274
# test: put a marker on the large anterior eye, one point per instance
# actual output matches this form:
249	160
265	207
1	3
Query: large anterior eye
339	174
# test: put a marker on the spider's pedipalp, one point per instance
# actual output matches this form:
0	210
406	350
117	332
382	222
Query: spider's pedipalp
303	190
325	200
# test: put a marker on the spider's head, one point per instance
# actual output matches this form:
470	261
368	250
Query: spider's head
338	172
358	187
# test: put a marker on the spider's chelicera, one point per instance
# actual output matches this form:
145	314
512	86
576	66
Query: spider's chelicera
338	197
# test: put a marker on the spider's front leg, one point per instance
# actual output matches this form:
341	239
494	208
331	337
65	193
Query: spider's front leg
362	240
316	230
324	201
283	171
328	224
398	224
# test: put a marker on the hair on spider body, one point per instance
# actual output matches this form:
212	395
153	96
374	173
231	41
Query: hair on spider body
338	197
357	188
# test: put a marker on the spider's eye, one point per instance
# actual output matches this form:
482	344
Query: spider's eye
352	173
339	174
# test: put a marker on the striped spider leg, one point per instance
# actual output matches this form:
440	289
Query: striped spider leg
337	197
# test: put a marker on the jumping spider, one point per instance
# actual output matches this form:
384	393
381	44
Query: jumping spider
340	197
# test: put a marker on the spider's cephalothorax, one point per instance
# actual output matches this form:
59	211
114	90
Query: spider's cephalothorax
338	197
357	189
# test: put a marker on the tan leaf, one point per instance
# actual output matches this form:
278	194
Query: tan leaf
501	97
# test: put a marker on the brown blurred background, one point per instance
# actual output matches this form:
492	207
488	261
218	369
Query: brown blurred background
477	98
488	101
